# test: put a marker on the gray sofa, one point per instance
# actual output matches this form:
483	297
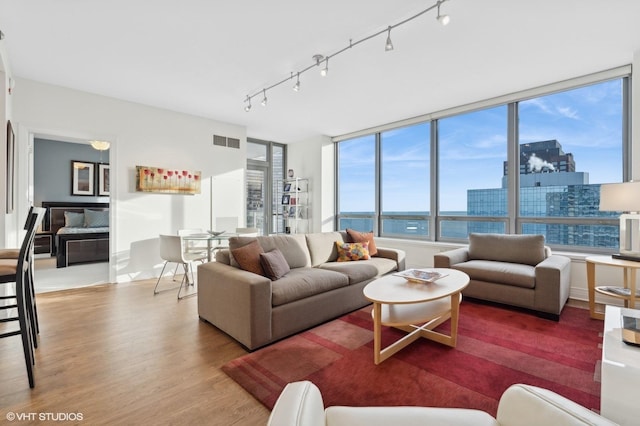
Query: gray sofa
517	270
257	311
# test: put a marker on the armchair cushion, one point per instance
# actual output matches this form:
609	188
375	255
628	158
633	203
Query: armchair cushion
527	249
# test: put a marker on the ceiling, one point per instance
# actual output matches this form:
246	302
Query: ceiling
203	57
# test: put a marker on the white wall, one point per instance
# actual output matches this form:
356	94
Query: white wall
145	136
314	159
10	235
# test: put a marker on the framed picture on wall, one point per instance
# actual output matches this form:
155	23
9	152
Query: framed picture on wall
103	180
82	177
11	161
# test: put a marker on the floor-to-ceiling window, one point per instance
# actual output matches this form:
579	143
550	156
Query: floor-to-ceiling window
472	150
404	181
265	165
530	164
356	173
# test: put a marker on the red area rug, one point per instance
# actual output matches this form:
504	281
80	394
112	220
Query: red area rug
496	347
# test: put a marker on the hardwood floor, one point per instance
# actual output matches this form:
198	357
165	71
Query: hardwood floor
117	354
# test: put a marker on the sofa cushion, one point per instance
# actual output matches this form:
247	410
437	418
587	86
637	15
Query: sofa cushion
363	237
274	264
322	246
356	271
293	247
305	282
515	274
352	251
384	265
527	249
248	257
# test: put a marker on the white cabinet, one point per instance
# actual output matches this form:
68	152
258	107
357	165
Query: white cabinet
294	205
620	373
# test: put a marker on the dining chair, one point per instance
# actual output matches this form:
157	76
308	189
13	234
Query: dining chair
191	246
18	271
172	251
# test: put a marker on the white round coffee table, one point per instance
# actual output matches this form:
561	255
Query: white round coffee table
405	305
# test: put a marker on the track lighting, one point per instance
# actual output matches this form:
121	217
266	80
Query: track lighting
296	87
444	19
318	59
324	71
389	45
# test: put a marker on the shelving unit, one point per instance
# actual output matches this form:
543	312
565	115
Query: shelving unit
294	205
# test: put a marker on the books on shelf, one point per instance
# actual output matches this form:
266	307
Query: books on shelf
420	275
620	291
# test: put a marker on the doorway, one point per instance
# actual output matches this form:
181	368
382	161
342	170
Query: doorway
51	161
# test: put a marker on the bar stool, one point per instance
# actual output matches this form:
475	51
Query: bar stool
18	271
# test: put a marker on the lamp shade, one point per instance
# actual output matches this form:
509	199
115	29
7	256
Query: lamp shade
620	197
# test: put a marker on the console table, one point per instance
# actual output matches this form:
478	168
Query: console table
629	282
620	373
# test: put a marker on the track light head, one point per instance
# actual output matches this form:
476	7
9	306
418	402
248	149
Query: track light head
264	98
296	87
443	19
389	45
324	71
247	107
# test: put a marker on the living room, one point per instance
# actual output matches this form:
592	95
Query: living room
172	124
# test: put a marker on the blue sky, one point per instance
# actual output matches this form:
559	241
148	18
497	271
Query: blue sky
585	121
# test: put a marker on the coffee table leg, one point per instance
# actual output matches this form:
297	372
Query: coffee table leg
455	311
377	332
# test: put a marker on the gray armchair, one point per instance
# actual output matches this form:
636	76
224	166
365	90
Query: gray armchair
517	270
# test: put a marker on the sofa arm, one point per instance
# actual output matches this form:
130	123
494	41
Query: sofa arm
449	258
525	405
553	281
236	301
394	254
299	404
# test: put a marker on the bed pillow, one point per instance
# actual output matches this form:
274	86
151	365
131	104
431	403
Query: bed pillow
73	220
352	251
96	218
274	264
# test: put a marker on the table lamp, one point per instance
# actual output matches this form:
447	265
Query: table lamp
624	197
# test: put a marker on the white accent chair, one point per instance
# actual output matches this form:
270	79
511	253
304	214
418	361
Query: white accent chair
172	251
301	404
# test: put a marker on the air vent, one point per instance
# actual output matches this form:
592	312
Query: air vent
225	141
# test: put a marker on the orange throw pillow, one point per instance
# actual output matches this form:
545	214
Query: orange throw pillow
363	237
248	257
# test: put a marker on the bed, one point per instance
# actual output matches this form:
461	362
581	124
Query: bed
80	231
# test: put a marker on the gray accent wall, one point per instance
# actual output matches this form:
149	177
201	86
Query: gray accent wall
52	170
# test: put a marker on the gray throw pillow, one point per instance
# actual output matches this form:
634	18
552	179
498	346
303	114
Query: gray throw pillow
274	264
